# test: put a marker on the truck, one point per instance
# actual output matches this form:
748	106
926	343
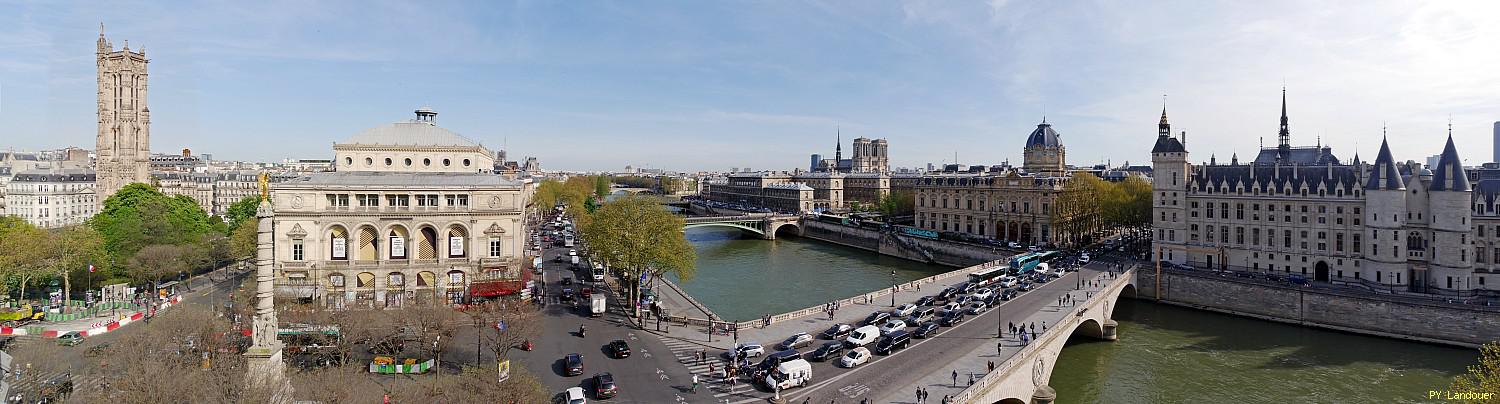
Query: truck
793	373
596	305
575	260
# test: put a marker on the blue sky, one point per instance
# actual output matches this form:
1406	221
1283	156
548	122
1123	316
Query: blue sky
690	85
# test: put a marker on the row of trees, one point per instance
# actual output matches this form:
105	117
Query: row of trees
895	203
636	235
139	236
1088	205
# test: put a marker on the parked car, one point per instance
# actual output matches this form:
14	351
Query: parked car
797	340
748	350
892	325
573	364
876	318
619	348
855	357
828	350
925	330
904	310
892	342
836	331
604	386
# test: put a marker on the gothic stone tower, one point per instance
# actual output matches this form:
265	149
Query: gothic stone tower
123	143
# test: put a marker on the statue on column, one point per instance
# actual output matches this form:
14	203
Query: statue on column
264	356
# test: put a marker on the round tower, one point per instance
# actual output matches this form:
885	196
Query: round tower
1452	257
1385	217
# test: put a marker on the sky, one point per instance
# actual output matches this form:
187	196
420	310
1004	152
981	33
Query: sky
710	85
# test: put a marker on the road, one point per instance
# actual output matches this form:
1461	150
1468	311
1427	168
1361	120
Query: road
652	374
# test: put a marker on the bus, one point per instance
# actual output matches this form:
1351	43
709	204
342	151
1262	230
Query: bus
1024	263
597	272
1048	256
568	241
988	276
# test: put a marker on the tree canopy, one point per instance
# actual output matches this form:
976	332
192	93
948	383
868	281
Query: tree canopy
1088	204
138	216
1483	377
636	235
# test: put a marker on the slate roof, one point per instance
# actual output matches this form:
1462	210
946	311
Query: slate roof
1384	174
1298	155
1449	174
1167	144
1275	179
1043	136
1487	191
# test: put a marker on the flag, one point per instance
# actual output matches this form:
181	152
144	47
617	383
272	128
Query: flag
91	268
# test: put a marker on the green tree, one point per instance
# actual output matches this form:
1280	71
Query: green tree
897	203
636	235
74	249
23	249
601	186
155	262
138	216
242	242
241	211
1483	377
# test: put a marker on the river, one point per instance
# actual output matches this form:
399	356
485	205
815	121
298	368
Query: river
743	278
1169	354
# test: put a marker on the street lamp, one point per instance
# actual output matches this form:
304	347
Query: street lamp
893	288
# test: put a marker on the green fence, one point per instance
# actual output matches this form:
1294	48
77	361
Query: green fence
87	313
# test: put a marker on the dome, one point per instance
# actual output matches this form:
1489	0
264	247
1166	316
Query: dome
422	131
1424	172
1043	136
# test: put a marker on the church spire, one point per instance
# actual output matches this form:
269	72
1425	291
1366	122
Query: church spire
1163	129
838	146
1283	138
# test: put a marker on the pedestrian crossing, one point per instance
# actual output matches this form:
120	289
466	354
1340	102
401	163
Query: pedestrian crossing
31	384
710	371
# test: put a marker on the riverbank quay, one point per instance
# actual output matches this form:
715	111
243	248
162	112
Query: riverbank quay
1361	312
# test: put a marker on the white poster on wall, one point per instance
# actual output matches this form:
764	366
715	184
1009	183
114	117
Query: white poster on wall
398	246
456	246
339	248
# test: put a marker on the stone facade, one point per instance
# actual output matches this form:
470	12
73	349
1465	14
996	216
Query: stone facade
52	197
123	143
368	238
1301	211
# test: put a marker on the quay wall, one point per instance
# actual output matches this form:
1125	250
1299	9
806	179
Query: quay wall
939	252
1362	313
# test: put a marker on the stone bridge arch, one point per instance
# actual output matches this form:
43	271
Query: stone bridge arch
732	225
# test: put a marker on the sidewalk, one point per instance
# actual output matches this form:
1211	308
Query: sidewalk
110	320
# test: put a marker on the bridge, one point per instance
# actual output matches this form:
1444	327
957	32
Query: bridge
765	225
1024	377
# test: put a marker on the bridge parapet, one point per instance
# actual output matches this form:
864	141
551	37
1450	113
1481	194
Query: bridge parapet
763	224
1024	377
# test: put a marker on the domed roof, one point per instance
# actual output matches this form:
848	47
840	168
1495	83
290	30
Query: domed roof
422	131
1043	136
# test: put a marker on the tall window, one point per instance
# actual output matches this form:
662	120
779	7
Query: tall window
297	250
494	247
368	199
398	200
338	200
427	200
458	200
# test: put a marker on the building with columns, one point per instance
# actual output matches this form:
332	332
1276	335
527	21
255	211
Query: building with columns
123	143
1302	211
412	214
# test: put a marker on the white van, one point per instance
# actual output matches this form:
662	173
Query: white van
862	336
793	373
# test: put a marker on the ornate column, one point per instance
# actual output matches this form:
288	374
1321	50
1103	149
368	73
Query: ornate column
266	369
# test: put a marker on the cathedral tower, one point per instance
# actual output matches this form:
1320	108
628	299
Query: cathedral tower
123	144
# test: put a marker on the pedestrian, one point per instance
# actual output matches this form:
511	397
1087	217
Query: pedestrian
1033	334
1033	326
806	400
919	394
971	379
923	390
711	369
695	383
955	378
991	365
998	345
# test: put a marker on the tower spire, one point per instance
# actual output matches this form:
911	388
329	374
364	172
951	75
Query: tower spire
1163	129
1284	139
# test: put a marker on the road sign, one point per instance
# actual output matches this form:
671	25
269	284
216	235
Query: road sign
504	370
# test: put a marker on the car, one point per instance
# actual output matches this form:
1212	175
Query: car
776	358
967	287
836	331
1008	282
573	364
1025	286
557	259
828	350
921	315
925	330
892	325
1013	244
604	385
904	310
862	335
619	348
855	357
71	338
573	395
797	340
990	301
748	350
951	318
926	300
572	253
1008	294
892	342
1083	259
875	318
947	293
567	295
976	308
586	292
982	293
567	280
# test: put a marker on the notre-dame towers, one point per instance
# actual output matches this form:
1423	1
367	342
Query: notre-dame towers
123	144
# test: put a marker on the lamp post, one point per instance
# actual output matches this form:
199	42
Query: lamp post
893	288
